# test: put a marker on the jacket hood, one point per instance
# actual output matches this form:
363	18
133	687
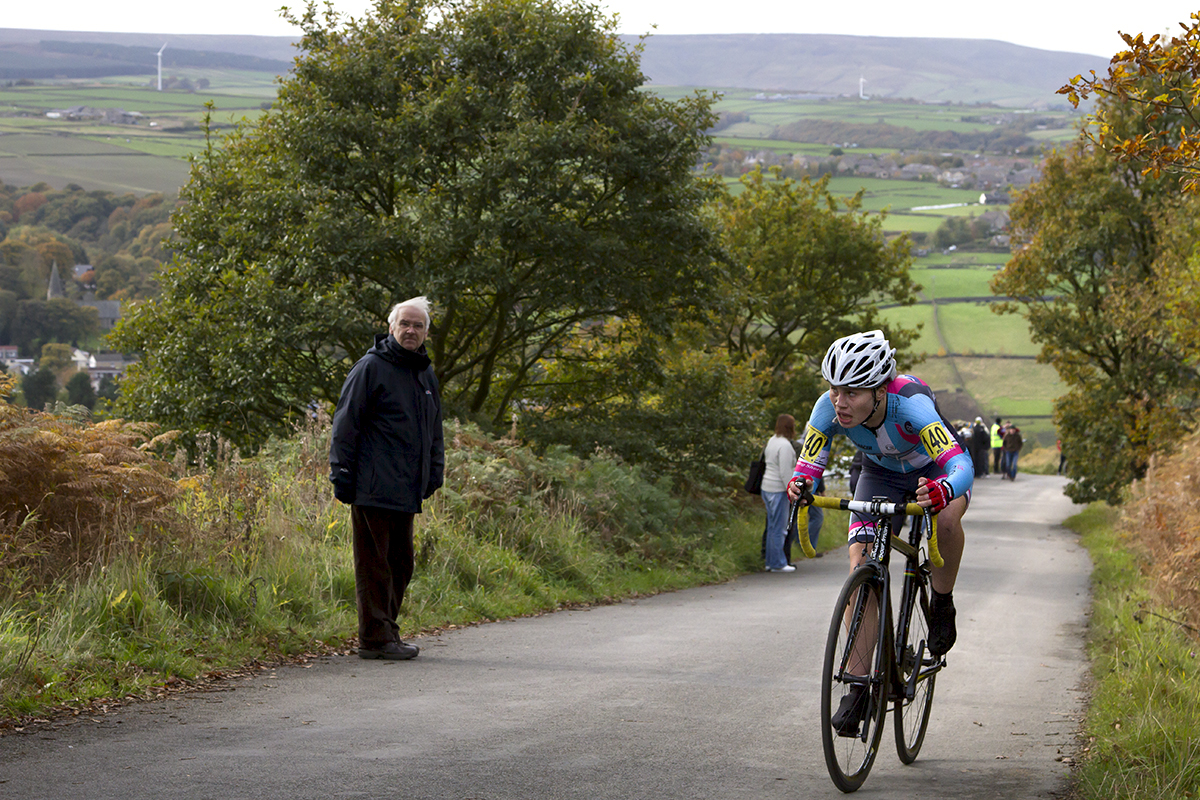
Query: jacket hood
386	347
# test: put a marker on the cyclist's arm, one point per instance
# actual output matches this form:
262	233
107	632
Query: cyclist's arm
818	434
943	448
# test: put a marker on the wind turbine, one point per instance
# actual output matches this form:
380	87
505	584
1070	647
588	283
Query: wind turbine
164	47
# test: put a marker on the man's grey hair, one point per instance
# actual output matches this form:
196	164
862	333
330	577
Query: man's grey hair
420	303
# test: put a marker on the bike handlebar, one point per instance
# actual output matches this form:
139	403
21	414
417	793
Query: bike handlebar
876	508
880	508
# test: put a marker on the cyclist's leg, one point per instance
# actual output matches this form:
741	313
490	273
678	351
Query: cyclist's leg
950	538
942	629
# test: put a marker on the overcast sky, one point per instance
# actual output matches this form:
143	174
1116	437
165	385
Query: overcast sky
1079	27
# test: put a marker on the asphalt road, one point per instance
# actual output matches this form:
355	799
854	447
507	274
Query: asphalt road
705	693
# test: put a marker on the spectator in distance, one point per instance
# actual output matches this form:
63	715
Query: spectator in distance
1012	443
780	458
997	444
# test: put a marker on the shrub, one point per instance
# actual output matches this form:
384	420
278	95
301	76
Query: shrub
73	493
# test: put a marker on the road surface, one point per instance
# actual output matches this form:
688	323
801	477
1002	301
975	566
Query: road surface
704	693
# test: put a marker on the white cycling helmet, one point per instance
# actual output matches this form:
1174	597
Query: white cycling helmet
860	360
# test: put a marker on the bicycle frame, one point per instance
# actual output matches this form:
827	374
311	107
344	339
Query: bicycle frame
899	662
878	559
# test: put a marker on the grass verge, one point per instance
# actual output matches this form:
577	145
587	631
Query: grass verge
253	564
1141	738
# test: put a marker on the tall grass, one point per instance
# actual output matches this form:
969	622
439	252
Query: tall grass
250	559
1141	737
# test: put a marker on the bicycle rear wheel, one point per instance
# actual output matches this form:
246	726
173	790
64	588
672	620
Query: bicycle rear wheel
855	660
912	715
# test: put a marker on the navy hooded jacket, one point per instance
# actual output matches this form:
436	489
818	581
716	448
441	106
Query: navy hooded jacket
387	443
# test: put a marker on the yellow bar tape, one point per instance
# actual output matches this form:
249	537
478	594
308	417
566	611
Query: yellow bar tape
802	534
935	557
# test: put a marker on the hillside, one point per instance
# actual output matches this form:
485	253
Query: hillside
276	48
932	70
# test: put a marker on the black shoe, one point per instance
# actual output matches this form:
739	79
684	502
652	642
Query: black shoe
851	711
392	651
942	632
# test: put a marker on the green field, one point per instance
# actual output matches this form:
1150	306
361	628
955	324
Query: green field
962	282
147	157
766	114
896	195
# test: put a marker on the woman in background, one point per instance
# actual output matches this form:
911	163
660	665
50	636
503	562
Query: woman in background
780	457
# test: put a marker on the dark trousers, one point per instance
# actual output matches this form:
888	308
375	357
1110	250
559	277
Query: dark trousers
980	457
383	566
996	459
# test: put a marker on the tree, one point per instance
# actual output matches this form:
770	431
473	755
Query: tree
1156	80
497	156
80	391
677	405
1091	274
806	268
123	277
108	389
39	388
38	322
55	357
959	231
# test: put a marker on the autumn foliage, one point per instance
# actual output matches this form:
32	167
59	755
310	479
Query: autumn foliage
72	493
1160	518
1161	76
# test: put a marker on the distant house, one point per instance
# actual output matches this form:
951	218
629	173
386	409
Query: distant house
996	220
993	198
80	358
117	116
108	311
20	366
8	351
112	365
1024	177
914	172
993	177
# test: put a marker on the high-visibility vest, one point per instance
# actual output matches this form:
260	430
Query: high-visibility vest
997	439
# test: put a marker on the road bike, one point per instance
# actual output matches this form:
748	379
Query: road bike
867	655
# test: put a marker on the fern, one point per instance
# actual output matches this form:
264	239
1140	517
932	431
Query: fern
72	492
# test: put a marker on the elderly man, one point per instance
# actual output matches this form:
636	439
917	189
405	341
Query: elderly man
386	456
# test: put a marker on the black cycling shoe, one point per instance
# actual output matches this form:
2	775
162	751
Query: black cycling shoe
942	632
851	711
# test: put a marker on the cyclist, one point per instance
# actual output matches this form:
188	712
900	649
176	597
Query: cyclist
909	448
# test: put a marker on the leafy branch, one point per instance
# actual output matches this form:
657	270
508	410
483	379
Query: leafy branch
1162	76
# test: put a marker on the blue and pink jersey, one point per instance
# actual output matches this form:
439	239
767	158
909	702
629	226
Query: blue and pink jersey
913	435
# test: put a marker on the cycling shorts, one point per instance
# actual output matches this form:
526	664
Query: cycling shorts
895	487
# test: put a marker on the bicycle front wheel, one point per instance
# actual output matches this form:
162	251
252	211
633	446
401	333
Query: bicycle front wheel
854	681
918	670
